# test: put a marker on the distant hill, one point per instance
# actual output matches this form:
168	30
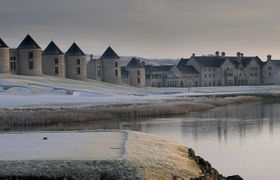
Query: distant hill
154	62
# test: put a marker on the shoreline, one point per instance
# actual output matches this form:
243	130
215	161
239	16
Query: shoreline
11	119
138	159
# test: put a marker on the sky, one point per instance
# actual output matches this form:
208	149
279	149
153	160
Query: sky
147	28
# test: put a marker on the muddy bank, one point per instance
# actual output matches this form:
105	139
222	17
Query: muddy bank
11	119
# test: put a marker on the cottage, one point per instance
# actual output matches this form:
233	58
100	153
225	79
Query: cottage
75	63
111	69
209	68
53	61
271	72
29	55
134	73
190	73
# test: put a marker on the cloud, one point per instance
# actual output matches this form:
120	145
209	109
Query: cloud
150	28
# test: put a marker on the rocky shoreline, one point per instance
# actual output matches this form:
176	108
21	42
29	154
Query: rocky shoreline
146	157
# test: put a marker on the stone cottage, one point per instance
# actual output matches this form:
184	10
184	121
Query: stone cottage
107	68
134	73
29	57
53	61
75	63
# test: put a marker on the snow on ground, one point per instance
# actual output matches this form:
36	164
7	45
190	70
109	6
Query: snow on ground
62	146
47	91
19	90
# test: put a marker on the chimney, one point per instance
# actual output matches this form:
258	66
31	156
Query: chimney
238	54
269	57
91	57
217	53
223	54
193	54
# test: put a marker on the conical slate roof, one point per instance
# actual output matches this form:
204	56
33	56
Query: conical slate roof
134	63
52	49
109	54
3	44
28	43
75	50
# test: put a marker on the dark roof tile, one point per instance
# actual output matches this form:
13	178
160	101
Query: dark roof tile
150	68
135	63
109	54
188	69
209	61
182	62
52	49
75	50
3	44
28	43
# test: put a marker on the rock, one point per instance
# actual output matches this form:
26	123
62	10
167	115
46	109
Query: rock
209	173
234	177
177	178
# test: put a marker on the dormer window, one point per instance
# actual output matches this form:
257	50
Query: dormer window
78	70
56	61
30	55
78	62
31	64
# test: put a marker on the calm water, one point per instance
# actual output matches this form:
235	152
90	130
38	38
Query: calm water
243	139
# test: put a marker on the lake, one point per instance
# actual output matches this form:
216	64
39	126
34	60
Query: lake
236	139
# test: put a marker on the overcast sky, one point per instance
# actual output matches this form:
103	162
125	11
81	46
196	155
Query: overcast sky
147	28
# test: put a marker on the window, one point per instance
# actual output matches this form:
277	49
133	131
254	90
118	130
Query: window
78	70
138	73
56	70
30	55
138	80
31	64
148	76
56	61
116	72
13	63
116	64
78	62
214	75
98	73
269	74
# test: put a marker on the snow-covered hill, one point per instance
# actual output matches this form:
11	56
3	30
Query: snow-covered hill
48	91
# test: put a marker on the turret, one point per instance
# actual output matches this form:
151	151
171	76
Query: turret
4	57
111	66
75	62
53	61
30	57
137	72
